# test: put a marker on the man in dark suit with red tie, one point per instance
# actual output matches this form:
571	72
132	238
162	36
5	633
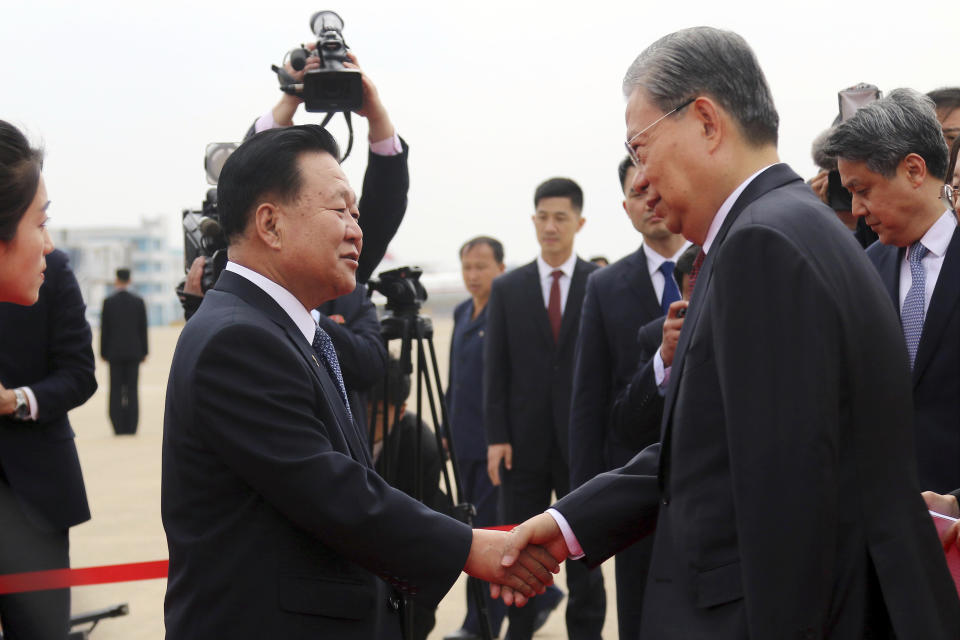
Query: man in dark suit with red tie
277	524
782	495
533	319
893	159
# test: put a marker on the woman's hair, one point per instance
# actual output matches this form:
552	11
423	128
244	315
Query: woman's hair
20	166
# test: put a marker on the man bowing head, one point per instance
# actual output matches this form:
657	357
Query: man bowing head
276	522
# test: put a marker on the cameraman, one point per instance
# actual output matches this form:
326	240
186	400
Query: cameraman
383	200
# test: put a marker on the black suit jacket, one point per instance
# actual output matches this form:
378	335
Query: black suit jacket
527	377
638	409
276	522
47	347
123	328
936	371
619	300
784	492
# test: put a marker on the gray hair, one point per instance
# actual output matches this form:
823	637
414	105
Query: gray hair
884	132
705	60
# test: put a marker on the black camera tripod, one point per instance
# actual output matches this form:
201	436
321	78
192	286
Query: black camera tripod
403	322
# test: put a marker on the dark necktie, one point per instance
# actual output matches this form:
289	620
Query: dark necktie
554	310
671	293
912	314
323	346
695	271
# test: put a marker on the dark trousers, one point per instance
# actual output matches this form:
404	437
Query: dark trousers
526	493
27	544
124	408
633	564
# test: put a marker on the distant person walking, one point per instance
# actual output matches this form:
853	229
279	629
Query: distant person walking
123	343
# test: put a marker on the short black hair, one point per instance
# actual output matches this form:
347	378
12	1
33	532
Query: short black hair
267	163
622	170
398	385
954	149
20	166
123	274
495	245
560	188
685	262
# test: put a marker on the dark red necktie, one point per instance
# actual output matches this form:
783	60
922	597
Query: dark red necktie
554	310
697	263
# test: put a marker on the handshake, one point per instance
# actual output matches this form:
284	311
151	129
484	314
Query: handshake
519	564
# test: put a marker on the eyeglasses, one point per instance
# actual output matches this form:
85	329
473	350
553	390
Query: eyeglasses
948	196
629	143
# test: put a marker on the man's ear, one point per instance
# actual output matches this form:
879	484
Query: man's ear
915	169
711	121
580	222
268	225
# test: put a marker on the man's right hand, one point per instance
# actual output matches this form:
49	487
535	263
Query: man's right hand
194	282
495	454
671	332
540	530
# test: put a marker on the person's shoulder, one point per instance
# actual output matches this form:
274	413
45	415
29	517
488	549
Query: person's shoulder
516	275
57	260
462	308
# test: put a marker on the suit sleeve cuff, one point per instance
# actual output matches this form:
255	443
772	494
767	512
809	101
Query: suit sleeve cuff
34	409
573	545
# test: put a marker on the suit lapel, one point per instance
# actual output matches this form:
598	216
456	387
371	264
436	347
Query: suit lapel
571	311
774	177
888	266
536	303
638	281
259	299
942	304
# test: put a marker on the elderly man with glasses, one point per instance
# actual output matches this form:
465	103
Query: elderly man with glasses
783	495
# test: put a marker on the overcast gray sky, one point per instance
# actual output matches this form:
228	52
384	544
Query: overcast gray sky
493	97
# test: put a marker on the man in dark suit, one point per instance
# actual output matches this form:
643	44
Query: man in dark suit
619	300
277	523
123	343
532	322
46	369
783	493
895	179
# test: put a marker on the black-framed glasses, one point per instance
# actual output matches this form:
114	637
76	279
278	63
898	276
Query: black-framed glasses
629	143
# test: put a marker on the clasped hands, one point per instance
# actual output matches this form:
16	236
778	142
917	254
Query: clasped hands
518	564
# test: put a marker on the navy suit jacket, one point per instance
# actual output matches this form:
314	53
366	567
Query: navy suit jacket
638	409
783	490
277	524
528	377
619	300
123	328
465	390
936	372
47	347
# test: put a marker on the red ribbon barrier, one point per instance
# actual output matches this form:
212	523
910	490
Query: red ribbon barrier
63	578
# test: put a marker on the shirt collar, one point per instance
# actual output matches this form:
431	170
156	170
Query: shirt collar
655	260
938	236
725	209
287	301
567	267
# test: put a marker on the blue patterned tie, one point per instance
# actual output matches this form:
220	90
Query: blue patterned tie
671	293
323	345
911	316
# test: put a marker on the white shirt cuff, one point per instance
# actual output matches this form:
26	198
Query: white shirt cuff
265	122
573	545
660	373
33	402
387	147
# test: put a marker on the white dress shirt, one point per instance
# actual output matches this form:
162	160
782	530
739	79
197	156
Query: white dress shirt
287	301
546	280
936	240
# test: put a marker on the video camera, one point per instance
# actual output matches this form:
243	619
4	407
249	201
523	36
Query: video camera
332	87
402	289
202	234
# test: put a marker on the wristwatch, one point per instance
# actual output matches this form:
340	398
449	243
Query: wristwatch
22	410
